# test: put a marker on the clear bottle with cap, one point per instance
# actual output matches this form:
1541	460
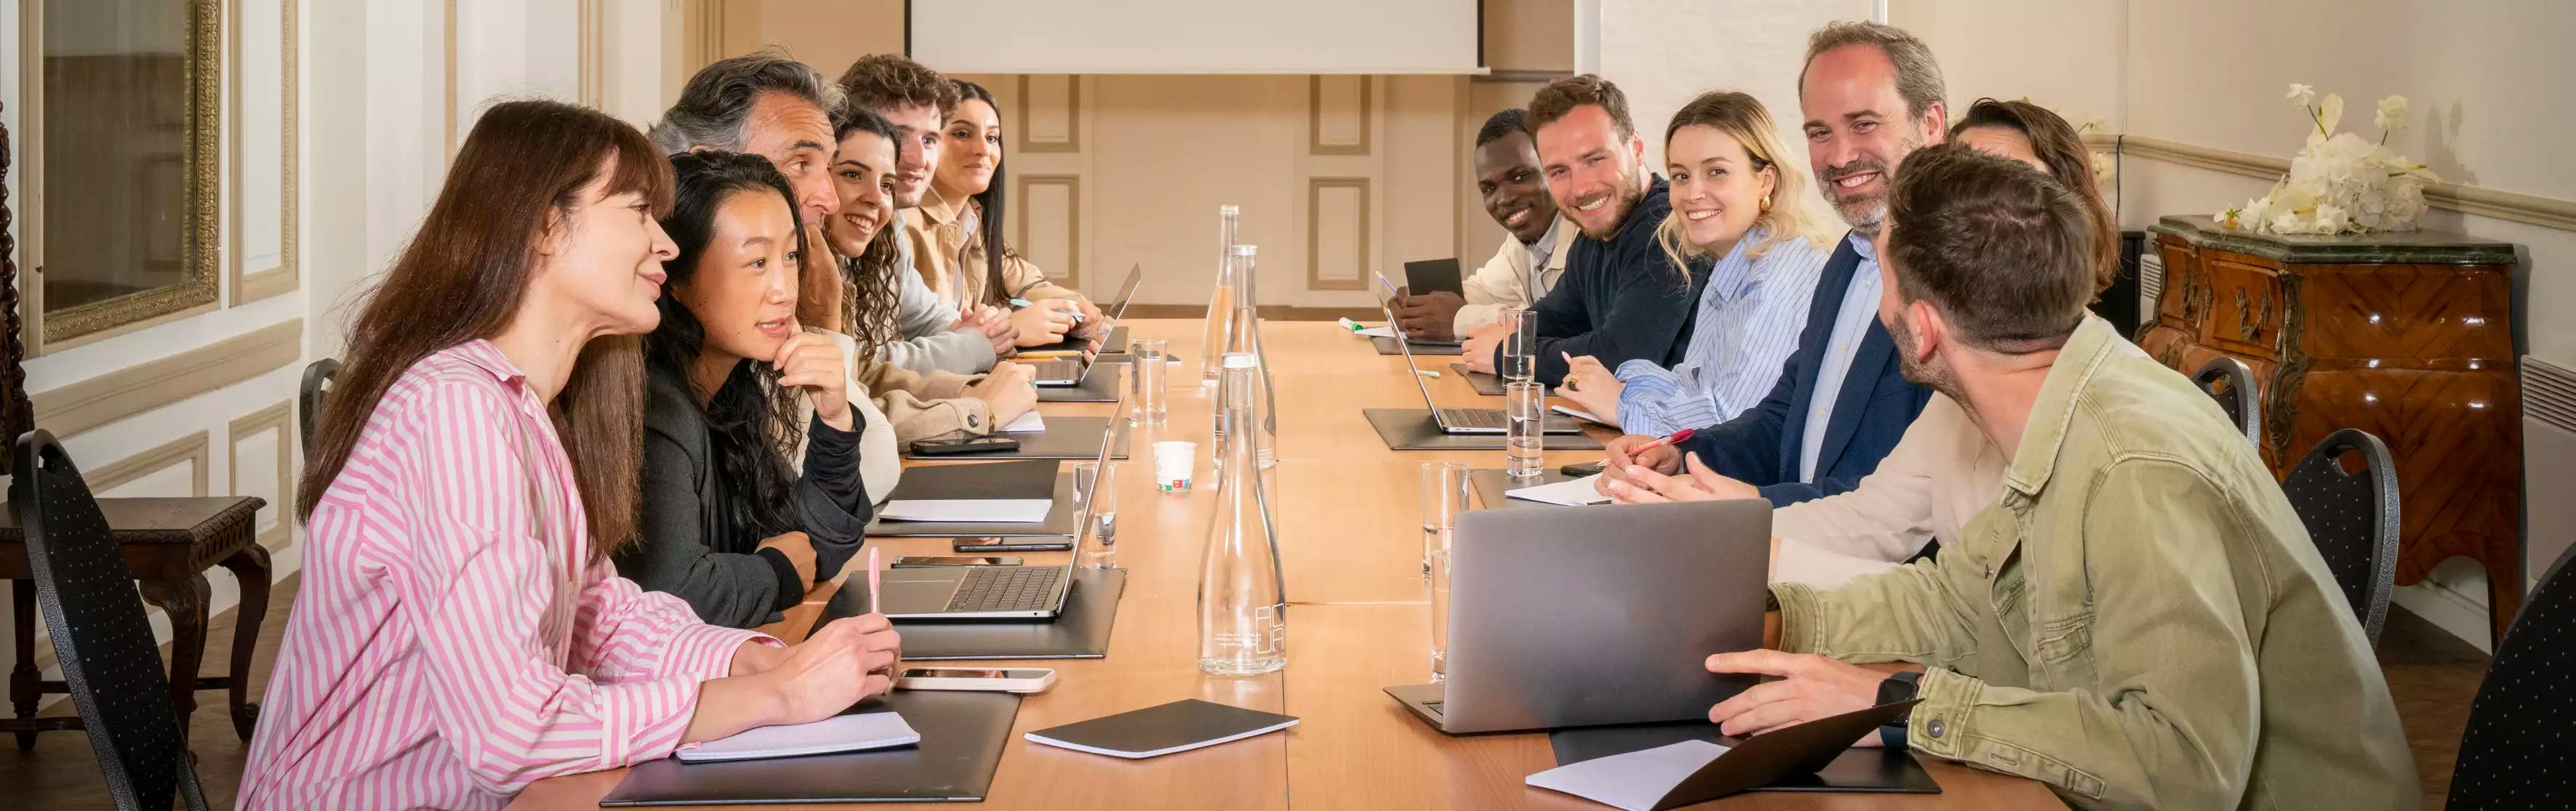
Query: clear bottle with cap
1244	337
1220	311
1243	604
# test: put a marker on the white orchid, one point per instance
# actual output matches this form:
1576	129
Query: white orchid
2340	183
2391	117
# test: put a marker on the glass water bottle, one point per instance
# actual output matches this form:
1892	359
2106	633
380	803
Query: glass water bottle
1220	304
1244	337
1243	621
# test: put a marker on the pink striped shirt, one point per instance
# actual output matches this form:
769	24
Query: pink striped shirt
450	645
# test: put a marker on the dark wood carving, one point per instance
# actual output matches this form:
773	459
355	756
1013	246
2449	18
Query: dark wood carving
17	414
2407	336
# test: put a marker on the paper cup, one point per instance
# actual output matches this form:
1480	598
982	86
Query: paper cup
1172	462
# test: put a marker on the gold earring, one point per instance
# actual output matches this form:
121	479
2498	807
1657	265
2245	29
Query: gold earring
1766	201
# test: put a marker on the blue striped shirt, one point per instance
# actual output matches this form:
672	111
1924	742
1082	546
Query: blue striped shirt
1750	315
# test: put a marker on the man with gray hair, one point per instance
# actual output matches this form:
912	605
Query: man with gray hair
768	104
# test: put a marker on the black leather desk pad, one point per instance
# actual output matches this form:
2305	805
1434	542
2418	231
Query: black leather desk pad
1386	346
1102	385
1080	632
1858	769
1059	519
1411	429
962	736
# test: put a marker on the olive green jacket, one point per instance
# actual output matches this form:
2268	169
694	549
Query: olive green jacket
2139	622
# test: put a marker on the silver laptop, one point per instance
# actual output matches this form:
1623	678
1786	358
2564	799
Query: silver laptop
975	592
1597	615
1461	420
1069	371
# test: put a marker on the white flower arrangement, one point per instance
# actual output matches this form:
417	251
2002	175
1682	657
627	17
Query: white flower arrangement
2340	183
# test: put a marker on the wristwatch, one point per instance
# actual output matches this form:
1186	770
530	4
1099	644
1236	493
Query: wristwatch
1897	687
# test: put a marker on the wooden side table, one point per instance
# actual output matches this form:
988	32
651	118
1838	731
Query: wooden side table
169	543
2405	335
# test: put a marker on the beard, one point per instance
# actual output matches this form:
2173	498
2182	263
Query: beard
1926	373
1866	214
1623	202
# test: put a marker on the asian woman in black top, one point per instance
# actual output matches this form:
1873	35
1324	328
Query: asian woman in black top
736	388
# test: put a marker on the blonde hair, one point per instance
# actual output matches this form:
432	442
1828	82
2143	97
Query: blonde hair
1788	216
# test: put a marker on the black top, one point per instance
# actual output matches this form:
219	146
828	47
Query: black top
1620	299
696	549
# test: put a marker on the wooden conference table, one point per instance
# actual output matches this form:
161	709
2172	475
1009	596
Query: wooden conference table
1351	548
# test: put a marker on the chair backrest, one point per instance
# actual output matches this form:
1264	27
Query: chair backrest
99	631
2231	383
2353	519
2510	752
308	401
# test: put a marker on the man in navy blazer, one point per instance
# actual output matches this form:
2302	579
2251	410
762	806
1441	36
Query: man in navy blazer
1870	94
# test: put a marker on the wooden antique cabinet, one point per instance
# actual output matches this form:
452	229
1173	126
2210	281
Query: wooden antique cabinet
2405	335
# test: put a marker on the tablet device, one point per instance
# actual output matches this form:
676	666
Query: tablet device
1433	275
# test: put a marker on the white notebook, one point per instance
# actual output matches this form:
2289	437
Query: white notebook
839	733
1571	493
1028	423
967	510
1636	781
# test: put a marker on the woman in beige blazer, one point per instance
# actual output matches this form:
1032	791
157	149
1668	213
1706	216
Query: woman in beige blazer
956	233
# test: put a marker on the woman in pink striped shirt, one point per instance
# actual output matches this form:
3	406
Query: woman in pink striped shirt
460	632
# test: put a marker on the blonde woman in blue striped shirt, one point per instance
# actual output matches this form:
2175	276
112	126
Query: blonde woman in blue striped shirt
1738	205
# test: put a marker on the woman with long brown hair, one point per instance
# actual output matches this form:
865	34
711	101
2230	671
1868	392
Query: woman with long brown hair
957	231
461	632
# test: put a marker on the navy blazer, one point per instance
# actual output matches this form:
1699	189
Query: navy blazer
1760	446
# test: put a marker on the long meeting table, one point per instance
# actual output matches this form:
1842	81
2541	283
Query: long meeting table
1349	521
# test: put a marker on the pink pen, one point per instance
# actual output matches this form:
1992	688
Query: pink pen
873	590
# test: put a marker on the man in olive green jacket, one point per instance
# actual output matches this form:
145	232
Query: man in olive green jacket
2141	621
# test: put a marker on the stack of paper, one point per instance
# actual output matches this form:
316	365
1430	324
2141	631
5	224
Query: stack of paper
1583	415
1571	493
1637	781
1028	423
839	733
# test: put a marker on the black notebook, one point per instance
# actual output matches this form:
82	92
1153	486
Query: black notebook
1161	730
1015	479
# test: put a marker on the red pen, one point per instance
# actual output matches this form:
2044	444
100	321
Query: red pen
1677	436
873	590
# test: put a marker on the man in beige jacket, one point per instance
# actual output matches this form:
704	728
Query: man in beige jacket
1515	194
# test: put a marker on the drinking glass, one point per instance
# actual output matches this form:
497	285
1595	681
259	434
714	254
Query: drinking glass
1520	345
1148	370
1095	487
1444	496
1524	439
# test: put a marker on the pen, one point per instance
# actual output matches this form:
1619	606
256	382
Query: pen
1427	373
873	590
1677	436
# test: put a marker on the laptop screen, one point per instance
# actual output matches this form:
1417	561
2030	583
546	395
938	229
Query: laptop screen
1405	346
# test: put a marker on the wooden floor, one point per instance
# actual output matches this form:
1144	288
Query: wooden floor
2433	675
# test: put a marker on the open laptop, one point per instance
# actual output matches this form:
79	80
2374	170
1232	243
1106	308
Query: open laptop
1069	370
975	592
1464	420
1583	616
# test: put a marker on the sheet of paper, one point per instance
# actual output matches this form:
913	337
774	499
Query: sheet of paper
1583	415
1633	781
1573	493
1028	423
839	733
967	510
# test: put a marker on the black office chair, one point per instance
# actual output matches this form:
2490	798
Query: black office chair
308	401
2511	755
2231	383
110	662
2353	519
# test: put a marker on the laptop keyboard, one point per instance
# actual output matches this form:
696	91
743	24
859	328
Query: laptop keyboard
1006	588
1058	369
1490	418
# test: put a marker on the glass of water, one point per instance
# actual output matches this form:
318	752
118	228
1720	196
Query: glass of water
1444	496
1148	370
1525	402
1095	487
1520	345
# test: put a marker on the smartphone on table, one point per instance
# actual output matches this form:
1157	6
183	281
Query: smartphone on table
921	561
998	680
980	546
951	447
